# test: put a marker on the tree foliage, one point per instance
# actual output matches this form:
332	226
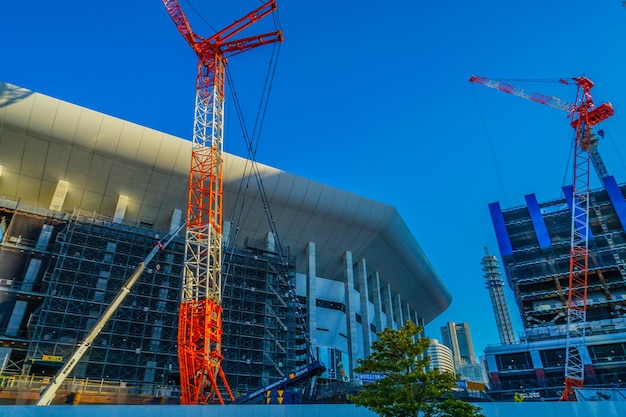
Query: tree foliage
408	387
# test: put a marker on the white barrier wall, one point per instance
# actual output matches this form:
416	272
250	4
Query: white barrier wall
528	409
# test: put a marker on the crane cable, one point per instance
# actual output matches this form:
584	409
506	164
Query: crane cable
490	146
252	144
607	135
251	148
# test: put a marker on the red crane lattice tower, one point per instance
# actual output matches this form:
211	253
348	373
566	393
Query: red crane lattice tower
583	115
200	321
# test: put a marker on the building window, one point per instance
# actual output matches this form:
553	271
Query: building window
552	358
514	361
609	353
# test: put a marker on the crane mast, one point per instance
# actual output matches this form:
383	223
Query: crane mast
200	323
579	247
583	115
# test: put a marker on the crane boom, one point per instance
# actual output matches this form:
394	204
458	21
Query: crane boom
520	92
594	116
583	114
199	320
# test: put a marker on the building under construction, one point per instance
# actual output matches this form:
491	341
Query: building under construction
84	197
534	243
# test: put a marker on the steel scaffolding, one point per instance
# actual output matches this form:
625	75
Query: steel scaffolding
82	260
259	321
94	259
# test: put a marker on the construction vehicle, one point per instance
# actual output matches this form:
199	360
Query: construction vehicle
583	115
48	394
304	373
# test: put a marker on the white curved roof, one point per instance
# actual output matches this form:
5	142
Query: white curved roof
43	140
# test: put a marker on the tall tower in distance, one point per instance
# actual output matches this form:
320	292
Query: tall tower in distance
457	337
495	285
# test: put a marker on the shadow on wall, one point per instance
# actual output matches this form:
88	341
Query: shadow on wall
10	94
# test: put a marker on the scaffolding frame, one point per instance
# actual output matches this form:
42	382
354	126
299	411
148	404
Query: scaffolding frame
94	258
259	320
89	258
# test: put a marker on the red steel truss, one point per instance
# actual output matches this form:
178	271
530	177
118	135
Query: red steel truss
200	323
583	115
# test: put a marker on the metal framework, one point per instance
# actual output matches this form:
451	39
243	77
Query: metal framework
76	266
495	285
539	275
579	245
259	321
583	115
200	322
93	258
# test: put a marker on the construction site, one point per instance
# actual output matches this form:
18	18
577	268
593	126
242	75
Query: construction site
535	255
127	277
141	268
122	280
91	256
563	259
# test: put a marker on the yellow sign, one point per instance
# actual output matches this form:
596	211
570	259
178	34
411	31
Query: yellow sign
51	358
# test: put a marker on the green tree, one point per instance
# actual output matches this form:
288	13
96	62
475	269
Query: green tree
407	387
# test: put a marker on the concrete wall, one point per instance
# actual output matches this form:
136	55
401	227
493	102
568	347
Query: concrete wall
551	409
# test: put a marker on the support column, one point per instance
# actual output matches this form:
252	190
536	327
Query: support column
407	313
589	369
59	195
398	303
540	373
353	346
365	315
17	316
311	292
374	287
388	306
416	319
177	219
120	208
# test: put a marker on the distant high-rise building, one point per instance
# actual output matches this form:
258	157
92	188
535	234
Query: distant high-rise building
495	285
473	372
440	357
458	338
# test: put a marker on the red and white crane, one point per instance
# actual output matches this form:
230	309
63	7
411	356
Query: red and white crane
583	114
199	322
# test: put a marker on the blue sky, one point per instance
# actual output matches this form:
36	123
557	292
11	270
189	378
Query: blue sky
371	97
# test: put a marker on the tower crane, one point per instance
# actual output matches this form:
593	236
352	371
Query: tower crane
583	115
199	322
